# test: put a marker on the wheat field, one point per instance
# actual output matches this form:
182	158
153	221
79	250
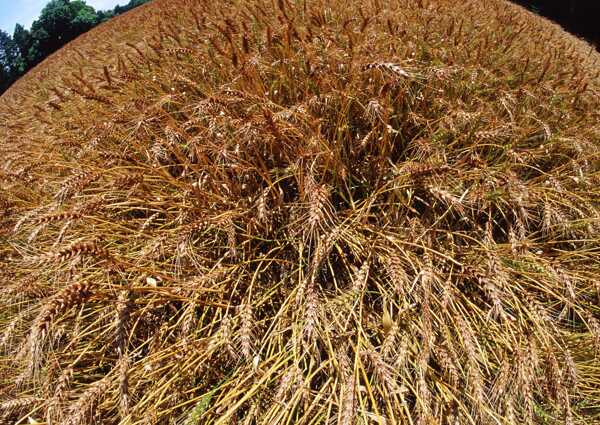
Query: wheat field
304	212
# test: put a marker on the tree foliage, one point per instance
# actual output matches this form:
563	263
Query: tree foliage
9	54
61	21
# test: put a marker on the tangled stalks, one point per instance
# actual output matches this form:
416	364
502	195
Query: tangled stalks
320	212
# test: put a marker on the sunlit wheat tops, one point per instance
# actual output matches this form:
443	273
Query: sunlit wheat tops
290	212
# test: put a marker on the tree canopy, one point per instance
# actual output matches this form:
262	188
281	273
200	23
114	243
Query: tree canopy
9	54
61	21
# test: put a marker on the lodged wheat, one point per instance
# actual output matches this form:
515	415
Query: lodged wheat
318	212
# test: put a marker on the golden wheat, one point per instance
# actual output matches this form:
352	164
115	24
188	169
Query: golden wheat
304	212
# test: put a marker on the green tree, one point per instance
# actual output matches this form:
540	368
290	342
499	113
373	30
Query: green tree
9	55
23	39
85	17
132	4
60	22
104	15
